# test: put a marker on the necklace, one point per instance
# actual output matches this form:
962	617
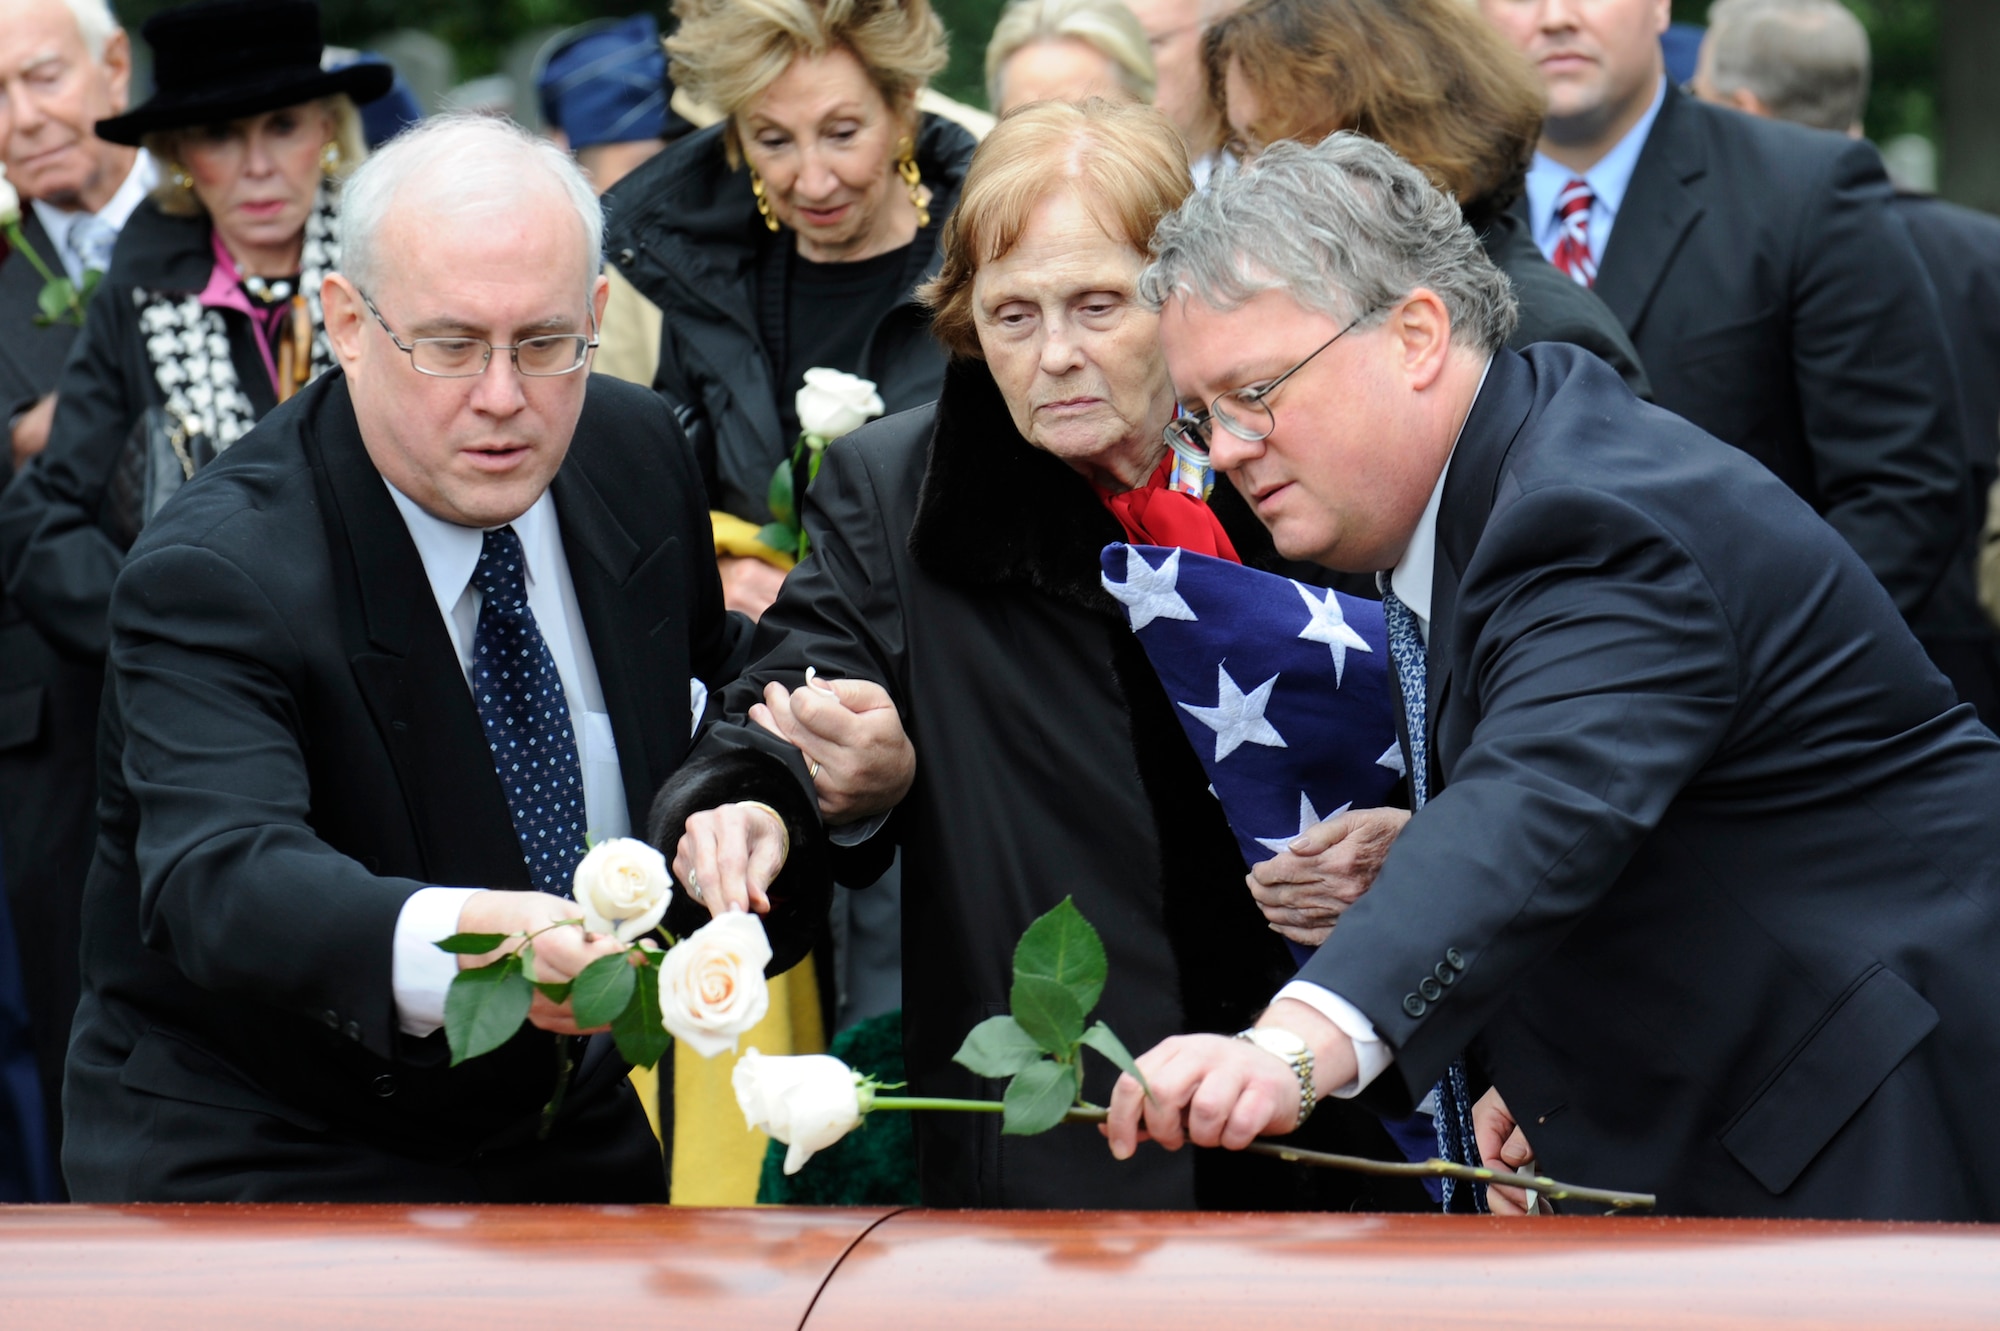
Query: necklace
269	291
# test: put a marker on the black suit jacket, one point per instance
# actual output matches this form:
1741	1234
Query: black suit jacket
31	356
48	718
1710	878
1777	304
290	752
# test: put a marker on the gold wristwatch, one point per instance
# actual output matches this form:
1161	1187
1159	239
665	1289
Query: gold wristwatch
1295	1051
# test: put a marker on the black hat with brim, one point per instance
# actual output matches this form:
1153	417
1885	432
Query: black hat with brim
234	58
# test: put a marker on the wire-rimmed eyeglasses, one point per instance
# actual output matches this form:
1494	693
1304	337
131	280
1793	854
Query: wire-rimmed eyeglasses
1244	412
467	357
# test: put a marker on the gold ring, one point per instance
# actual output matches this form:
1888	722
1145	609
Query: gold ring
812	769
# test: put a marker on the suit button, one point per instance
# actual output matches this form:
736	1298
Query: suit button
1431	989
384	1086
1415	1006
1455	958
353	1031
331	1018
1446	976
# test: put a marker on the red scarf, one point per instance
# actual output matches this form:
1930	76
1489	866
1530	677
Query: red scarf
1155	514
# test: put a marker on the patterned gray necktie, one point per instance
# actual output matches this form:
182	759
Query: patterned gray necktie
1453	1120
90	240
526	717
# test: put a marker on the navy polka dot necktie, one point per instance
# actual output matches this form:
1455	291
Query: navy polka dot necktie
526	717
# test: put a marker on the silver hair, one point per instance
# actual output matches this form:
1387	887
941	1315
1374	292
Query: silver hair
1806	60
1345	227
94	23
454	165
1106	26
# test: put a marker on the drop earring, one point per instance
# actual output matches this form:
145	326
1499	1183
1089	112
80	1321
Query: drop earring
763	202
329	158
906	167
182	180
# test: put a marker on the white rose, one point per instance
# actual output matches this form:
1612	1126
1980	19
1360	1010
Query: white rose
808	1102
10	204
622	885
712	984
832	403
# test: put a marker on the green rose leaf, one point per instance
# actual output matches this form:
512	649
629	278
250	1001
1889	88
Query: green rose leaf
1062	946
777	536
602	991
1037	1098
1100	1038
642	1040
997	1047
779	496
472	945
1048	1012
484	1007
554	992
56	300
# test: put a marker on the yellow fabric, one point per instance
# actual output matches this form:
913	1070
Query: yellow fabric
646	1081
734	536
628	341
717	1157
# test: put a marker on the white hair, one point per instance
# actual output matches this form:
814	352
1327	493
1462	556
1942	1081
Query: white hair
452	166
1807	60
94	23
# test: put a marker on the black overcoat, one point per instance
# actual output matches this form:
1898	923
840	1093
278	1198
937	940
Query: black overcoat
958	566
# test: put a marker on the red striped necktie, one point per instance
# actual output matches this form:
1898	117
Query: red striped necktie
1572	252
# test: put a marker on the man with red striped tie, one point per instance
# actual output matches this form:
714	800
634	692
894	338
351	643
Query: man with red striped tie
1773	296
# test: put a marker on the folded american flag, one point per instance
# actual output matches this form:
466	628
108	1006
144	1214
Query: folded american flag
1283	688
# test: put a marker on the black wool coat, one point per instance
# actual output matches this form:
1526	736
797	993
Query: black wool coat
957	566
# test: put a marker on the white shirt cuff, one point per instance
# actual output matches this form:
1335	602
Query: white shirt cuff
853	834
1371	1055
420	972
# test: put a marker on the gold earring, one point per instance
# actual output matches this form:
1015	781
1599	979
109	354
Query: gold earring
178	174
329	157
906	167
763	203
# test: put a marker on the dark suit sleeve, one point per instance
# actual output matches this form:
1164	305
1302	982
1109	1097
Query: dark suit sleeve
1605	677
1875	384
235	887
59	562
839	612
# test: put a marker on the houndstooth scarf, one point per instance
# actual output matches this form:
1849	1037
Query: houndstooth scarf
188	342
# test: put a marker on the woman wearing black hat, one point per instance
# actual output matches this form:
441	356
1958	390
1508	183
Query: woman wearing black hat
210	314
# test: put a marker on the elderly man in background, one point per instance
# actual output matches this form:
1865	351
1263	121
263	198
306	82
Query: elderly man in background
303	788
1703	877
1174	30
1067	50
64	65
1807	61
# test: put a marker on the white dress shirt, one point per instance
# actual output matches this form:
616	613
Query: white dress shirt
420	972
1411	580
57	221
1608	181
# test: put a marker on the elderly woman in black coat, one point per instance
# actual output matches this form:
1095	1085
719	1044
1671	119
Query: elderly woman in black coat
955	565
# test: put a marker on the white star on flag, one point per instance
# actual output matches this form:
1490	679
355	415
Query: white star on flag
1392	758
1330	626
1148	592
1307	817
1238	718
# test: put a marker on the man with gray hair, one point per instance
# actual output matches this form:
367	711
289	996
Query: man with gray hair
1807	61
304	791
1703	883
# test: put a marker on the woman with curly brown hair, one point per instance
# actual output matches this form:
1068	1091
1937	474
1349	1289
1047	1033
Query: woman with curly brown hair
1431	80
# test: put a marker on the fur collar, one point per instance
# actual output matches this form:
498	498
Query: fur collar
996	511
